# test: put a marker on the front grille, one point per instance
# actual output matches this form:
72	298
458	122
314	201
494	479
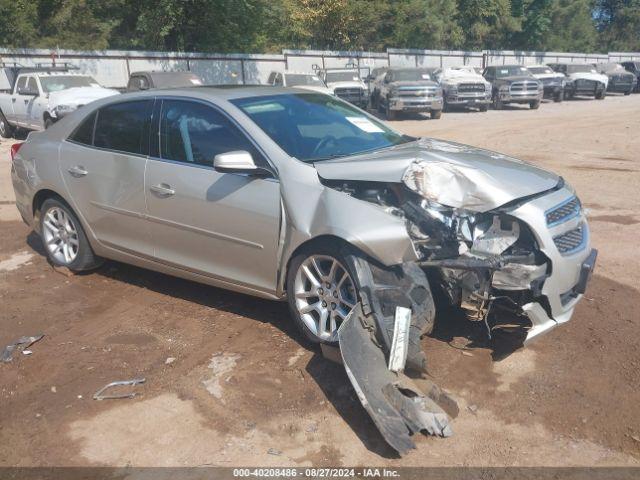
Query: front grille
415	92
586	83
563	212
524	87
471	87
571	241
350	94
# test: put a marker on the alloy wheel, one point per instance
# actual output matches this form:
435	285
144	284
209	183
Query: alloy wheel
60	235
324	295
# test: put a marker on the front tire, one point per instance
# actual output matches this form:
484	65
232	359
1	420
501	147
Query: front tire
64	239
559	96
601	94
48	122
534	105
321	293
436	114
497	103
389	114
6	130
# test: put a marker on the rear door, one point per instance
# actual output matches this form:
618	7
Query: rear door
20	100
103	165
221	225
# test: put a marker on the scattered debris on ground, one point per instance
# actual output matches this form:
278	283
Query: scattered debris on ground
99	395
25	342
394	402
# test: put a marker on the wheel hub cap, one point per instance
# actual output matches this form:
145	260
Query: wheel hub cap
324	295
60	235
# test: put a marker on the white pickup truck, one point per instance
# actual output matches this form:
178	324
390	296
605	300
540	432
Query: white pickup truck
36	99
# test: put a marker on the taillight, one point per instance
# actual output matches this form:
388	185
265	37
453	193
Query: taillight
14	149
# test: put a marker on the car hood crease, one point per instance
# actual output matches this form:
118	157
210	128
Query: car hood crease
472	178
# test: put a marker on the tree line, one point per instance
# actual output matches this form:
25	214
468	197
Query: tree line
256	26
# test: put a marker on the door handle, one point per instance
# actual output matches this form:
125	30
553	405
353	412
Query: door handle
77	171
163	190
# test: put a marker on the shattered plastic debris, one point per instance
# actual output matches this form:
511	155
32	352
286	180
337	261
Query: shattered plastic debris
99	395
6	356
396	405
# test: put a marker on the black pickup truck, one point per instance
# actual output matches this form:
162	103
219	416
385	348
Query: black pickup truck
513	84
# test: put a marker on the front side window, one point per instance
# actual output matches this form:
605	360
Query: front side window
313	127
55	83
123	127
193	132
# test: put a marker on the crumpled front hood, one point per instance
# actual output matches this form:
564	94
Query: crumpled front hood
462	176
79	95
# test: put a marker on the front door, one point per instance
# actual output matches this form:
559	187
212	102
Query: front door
221	225
104	173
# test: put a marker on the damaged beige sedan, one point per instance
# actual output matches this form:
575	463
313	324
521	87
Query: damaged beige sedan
289	194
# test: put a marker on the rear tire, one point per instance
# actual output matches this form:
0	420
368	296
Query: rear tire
6	130
435	114
64	239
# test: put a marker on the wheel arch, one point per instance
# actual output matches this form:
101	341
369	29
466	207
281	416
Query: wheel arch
308	245
38	200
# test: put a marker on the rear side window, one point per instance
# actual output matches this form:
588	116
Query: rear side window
123	127
84	133
192	132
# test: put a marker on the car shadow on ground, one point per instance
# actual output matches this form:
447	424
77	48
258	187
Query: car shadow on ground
330	377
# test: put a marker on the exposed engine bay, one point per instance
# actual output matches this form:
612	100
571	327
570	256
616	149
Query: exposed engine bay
482	262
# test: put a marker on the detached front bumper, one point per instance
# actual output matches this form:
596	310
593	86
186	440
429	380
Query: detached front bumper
418	104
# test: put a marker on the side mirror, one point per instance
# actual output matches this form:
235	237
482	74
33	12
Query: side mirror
238	161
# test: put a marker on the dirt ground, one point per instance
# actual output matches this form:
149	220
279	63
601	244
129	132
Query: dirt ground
245	389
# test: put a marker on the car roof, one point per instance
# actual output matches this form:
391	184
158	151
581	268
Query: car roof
222	92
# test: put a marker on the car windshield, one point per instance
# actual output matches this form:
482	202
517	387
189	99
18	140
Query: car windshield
313	127
411	75
350	76
513	71
295	79
540	70
581	69
56	83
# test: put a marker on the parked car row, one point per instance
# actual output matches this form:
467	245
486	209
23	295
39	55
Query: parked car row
39	96
393	90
